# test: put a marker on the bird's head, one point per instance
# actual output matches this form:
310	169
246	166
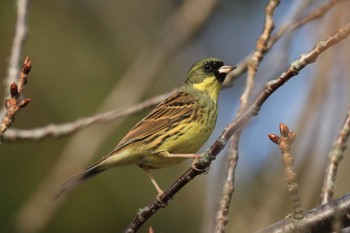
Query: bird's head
208	75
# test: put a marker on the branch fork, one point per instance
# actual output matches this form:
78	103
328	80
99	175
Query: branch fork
15	102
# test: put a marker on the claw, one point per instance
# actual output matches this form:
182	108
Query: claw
159	202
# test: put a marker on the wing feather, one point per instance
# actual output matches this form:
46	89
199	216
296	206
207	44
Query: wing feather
168	112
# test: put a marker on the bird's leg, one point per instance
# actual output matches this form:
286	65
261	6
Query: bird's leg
191	156
166	154
154	182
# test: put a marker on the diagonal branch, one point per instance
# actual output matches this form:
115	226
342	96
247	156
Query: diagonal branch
315	14
335	157
202	164
283	30
260	51
176	31
58	130
317	220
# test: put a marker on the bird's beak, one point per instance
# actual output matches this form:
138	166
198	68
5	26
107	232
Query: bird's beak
226	69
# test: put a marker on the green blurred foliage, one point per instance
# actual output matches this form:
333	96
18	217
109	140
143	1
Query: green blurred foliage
79	49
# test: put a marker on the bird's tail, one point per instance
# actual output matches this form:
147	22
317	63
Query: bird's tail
76	180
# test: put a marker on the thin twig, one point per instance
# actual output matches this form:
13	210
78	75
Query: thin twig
228	187
285	142
335	157
16	50
15	102
59	130
260	51
318	220
283	30
315	14
47	131
179	28
256	58
202	164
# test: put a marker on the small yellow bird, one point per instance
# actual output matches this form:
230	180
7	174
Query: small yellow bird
173	131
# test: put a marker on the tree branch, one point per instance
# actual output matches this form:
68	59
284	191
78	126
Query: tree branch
176	30
202	164
285	142
315	14
318	220
15	102
260	51
58	130
283	30
18	41
335	157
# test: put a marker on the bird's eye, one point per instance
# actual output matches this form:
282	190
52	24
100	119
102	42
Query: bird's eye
208	68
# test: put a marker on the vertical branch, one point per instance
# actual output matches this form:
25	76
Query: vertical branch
15	103
260	51
202	164
335	157
253	64
284	142
179	28
315	14
228	188
18	41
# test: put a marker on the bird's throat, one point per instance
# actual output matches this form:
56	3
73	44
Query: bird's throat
211	86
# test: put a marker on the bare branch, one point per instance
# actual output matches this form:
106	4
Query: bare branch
18	41
202	164
335	157
260	51
58	130
285	142
228	188
176	31
256	58
15	103
283	30
319	220
315	14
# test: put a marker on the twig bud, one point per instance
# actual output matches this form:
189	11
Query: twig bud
284	130
292	135
24	102
27	65
275	138
14	90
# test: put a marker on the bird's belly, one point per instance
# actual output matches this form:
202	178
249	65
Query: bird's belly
188	143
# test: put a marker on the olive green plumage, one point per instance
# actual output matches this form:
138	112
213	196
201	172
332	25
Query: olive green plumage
173	131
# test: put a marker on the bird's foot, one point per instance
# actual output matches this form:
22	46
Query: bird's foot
159	201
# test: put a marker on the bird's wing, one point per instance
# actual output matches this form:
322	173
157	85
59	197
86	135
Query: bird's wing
173	109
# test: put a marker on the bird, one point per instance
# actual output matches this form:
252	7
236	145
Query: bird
172	132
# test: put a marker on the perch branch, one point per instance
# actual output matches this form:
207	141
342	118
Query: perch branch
202	164
255	60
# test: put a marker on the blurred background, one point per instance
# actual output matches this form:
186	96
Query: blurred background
93	56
